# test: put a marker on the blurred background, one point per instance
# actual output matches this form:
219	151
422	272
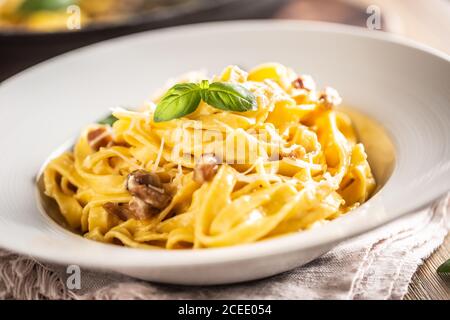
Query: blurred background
35	30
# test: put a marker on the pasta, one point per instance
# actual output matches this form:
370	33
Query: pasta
215	178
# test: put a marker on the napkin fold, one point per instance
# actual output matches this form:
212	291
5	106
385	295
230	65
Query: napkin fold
376	265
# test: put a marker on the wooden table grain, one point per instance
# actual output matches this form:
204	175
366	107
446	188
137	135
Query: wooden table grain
426	284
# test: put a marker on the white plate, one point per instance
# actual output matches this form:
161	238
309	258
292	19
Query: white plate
402	85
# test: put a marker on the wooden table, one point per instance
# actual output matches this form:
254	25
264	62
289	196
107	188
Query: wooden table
427	21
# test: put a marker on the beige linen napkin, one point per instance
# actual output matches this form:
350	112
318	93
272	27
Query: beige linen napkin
375	265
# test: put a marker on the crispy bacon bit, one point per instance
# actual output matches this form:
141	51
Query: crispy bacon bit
99	138
147	187
206	168
329	98
294	152
120	210
305	82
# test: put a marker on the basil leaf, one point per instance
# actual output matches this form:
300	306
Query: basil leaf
29	6
229	97
108	120
182	99
444	269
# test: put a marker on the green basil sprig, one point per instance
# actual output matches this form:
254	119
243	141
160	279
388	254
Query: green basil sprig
179	101
184	98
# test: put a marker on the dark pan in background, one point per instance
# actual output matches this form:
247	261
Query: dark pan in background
19	50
